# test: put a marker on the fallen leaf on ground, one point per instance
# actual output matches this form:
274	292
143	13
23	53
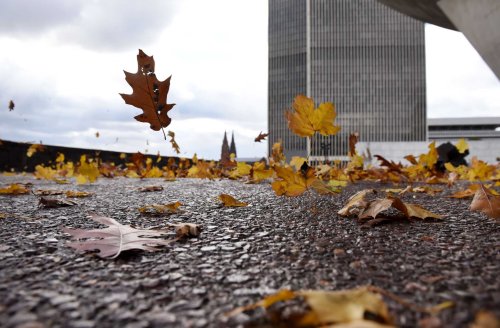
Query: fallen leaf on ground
187	230
356	202
409	210
77	194
175	146
157	209
48	192
150	188
54	202
148	93
331	308
116	238
230	201
14	189
261	136
484	201
485	319
260	172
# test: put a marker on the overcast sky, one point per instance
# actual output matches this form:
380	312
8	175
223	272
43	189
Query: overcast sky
62	61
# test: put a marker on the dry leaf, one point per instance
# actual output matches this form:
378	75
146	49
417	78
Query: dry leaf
485	319
462	146
175	146
230	201
150	188
304	120
77	194
375	207
261	136
187	230
156	209
88	171
349	307
14	189
260	172
53	202
48	192
116	238
34	148
484	201
11	105
97	134
292	183
353	140
149	94
356	203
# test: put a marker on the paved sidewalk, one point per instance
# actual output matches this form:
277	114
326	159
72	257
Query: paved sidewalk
242	255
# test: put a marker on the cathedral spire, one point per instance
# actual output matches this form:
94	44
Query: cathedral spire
224	153
232	148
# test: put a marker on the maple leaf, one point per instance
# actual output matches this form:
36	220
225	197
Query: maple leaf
88	171
292	183
242	169
114	239
149	94
175	146
261	136
462	146
304	120
260	172
14	189
11	105
201	170
230	201
484	201
349	307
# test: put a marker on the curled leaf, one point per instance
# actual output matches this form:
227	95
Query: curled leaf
230	201
484	201
261	136
150	188
156	209
175	146
53	202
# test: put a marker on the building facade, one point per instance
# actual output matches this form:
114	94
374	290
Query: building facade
364	57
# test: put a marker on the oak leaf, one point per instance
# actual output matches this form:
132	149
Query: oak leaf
484	201
149	94
175	146
116	238
230	201
11	105
304	120
261	136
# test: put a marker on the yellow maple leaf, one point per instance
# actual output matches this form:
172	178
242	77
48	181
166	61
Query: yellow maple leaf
297	162
291	183
34	148
259	172
462	145
87	171
14	189
304	120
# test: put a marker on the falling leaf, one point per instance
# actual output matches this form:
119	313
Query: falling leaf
356	202
304	120
230	201
53	202
201	170
349	307
123	156
484	201
297	162
277	153
157	209
14	189
97	134
175	146
88	172
35	148
353	140
11	105
114	239
77	194
260	172
261	136
150	188
462	145
149	94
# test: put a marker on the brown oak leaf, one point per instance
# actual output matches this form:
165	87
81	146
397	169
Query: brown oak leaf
149	94
11	105
261	136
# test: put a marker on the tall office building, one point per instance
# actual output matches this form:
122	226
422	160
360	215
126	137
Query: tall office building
364	57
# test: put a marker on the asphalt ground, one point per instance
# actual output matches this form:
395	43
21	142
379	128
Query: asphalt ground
242	255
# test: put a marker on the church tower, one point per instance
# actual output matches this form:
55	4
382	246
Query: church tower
224	153
232	148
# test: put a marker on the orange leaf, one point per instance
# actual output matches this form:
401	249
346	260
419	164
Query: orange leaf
230	201
486	202
149	94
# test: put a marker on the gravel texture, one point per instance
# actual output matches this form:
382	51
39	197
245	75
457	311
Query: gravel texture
241	255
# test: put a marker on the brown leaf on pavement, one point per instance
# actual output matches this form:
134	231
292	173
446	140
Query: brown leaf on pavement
484	201
150	188
230	201
54	203
158	209
356	203
187	230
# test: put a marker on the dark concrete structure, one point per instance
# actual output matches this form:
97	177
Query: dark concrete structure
364	57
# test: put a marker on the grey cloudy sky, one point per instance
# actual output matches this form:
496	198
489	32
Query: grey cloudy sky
62	63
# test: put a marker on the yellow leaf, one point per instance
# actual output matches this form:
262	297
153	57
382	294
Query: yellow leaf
291	184
155	172
259	172
123	156
88	172
230	201
277	153
297	162
304	120
45	172
77	194
462	145
156	209
14	189
34	148
60	158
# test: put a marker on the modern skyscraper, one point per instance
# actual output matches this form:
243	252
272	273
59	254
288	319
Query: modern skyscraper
364	57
